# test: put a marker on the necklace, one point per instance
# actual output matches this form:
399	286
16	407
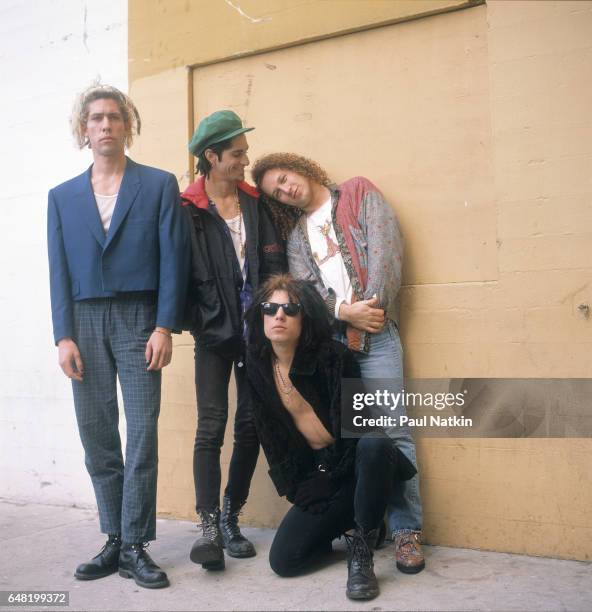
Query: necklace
285	388
240	227
239	231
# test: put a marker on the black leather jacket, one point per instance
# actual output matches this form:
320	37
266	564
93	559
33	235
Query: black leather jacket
213	313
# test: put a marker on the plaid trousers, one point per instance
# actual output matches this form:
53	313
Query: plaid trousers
111	334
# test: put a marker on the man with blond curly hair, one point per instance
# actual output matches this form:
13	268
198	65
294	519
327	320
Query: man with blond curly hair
346	240
118	259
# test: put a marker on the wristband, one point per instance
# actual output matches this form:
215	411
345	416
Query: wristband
160	331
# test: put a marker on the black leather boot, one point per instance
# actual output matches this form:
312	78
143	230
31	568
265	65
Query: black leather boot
208	550
234	541
136	563
104	564
361	581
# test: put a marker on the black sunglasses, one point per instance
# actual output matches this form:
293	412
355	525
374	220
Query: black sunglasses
291	309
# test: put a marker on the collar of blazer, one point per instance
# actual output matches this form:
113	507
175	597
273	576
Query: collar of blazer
128	191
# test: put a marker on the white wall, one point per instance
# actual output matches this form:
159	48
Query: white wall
49	51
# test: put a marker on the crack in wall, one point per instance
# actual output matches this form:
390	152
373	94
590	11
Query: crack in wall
240	11
85	30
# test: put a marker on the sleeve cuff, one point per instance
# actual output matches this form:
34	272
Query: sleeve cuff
338	303
330	301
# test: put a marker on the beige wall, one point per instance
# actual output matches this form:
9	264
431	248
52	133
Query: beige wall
177	33
483	145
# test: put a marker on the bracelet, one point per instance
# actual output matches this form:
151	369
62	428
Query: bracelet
167	334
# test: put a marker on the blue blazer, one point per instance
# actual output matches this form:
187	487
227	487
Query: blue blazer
145	249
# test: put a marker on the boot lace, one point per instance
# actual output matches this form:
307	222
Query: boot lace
407	543
111	541
209	524
359	555
230	524
140	547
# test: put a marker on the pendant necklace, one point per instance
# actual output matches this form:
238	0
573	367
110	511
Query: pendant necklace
285	388
239	232
240	228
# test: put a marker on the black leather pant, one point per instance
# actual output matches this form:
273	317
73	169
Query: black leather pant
212	376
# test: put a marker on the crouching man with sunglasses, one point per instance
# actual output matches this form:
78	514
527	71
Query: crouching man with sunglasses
294	370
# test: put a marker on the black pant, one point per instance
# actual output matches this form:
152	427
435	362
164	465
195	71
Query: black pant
302	537
212	376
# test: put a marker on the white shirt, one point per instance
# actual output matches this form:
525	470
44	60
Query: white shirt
234	225
327	255
106	206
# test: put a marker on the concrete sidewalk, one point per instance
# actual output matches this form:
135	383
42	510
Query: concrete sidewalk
41	546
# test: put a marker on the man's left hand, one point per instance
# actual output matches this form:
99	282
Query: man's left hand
159	349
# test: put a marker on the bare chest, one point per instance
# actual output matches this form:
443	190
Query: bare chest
305	419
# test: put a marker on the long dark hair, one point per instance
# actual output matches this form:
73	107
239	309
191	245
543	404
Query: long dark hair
316	322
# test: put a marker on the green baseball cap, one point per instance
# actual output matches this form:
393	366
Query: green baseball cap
214	128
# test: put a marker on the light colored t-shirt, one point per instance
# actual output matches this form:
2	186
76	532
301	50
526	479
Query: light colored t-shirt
233	225
327	255
106	206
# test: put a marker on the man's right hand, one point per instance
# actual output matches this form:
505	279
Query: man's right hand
70	359
363	315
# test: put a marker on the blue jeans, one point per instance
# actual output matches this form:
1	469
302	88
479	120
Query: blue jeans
385	360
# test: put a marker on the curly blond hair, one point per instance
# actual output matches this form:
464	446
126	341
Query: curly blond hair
289	161
96	91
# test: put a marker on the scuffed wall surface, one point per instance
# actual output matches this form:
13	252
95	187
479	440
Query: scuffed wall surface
165	35
526	496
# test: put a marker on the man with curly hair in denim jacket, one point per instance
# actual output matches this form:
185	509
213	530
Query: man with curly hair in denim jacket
346	239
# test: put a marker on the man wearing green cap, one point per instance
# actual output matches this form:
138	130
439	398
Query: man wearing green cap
234	247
